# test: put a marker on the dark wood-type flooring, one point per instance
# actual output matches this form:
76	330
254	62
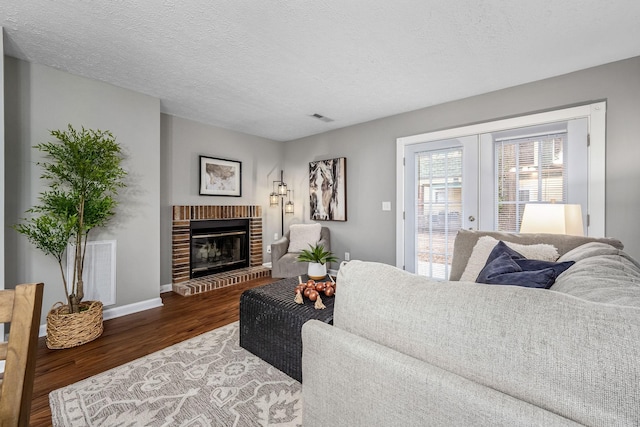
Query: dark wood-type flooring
130	337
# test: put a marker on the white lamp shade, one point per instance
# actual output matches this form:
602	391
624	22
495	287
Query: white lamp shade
553	218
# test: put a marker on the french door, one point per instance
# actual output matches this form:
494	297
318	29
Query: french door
439	201
481	176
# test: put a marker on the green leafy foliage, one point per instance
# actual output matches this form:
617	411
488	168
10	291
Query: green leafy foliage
48	233
317	254
84	174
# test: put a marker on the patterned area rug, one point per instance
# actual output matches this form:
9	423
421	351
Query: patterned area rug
208	380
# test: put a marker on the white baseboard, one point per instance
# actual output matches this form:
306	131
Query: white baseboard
112	313
166	288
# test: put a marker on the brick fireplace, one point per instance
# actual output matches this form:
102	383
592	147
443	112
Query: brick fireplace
182	283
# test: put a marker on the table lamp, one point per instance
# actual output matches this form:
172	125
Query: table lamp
553	218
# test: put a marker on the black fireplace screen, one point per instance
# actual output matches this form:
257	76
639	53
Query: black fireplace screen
218	245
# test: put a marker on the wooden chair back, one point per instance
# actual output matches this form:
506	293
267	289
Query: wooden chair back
21	307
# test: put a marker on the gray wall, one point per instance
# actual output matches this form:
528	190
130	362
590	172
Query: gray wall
369	232
39	99
182	142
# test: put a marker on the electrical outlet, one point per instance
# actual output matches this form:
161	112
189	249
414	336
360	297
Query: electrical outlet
268	249
275	236
347	256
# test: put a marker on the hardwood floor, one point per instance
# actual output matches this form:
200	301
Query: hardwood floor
130	337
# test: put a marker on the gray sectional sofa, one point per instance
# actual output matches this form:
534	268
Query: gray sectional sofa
408	351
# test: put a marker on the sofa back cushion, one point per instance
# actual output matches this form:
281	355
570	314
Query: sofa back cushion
467	239
601	273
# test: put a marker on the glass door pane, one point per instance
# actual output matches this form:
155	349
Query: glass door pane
438	209
436	203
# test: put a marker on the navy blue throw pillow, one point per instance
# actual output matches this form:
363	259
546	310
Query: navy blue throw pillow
503	264
502	248
508	267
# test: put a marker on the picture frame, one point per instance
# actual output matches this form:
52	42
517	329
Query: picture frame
220	177
328	189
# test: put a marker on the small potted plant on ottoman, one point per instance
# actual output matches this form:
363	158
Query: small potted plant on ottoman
317	258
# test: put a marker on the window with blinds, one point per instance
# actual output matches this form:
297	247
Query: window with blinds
528	170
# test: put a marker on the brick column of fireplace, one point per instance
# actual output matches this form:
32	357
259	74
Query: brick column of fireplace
182	215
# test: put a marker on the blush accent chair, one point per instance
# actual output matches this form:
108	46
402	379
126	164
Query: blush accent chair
21	307
285	264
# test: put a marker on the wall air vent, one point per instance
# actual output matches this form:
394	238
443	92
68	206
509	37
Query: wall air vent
321	117
99	273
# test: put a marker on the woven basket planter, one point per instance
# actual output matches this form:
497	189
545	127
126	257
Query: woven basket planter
66	330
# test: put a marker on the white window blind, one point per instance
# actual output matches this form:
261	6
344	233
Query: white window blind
528	170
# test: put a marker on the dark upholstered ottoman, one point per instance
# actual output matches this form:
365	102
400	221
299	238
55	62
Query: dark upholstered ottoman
271	324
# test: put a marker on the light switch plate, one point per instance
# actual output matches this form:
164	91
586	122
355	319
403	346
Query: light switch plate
386	206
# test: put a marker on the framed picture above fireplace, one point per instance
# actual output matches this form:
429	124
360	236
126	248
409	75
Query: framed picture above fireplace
220	177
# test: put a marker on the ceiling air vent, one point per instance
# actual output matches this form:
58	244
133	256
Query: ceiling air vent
321	117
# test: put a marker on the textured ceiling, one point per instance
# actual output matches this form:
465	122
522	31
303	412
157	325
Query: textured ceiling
263	67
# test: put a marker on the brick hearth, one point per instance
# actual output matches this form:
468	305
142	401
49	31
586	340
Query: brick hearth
182	215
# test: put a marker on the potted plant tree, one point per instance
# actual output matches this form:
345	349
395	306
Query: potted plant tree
317	258
84	174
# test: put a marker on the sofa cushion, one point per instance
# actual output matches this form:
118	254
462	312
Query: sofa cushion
506	266
404	391
301	236
466	240
592	249
601	274
485	245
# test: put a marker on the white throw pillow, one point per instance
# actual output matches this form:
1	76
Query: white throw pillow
485	245
303	235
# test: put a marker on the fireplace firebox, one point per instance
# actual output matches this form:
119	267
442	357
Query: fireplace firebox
218	245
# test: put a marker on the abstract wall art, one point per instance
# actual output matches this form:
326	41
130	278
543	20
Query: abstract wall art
328	189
